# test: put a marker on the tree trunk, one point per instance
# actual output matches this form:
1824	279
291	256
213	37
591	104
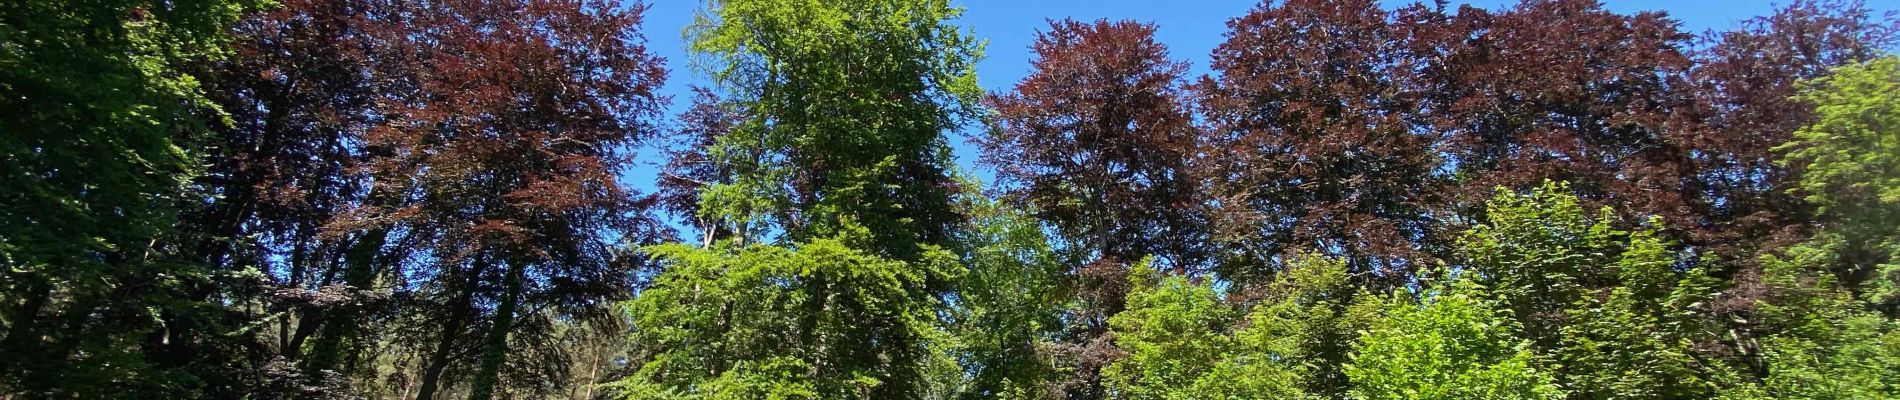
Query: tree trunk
444	351
495	345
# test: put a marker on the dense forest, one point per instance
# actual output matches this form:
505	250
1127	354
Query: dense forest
399	199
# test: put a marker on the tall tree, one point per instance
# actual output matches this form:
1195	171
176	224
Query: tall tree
1097	140
1309	147
99	139
1010	302
841	158
847	106
301	91
520	115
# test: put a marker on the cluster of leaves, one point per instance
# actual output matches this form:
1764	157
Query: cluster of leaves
97	141
776	322
1547	301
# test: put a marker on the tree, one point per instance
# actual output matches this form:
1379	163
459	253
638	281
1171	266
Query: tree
1540	254
1818	322
1010	305
301	88
1606	310
1097	141
1174	332
516	159
847	104
1306	322
1184	340
1518	107
1449	345
840	156
1640	338
691	167
1308	144
103	119
1813	339
822	321
1852	176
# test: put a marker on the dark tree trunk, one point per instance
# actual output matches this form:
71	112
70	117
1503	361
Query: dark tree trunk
495	345
444	352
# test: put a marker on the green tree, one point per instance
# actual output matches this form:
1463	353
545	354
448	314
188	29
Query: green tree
822	321
1306	323
1538	253
1009	305
99	135
1850	163
1636	339
1173	331
1816	341
1817	338
1185	341
1452	344
841	157
1605	308
847	105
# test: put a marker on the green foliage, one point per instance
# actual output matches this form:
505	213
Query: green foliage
1605	309
1174	332
1818	341
1850	157
1185	342
382	200
848	101
99	123
823	320
1637	341
1537	253
1451	345
1305	325
1009	304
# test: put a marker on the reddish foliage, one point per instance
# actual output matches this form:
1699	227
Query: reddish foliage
384	145
515	117
1743	83
1097	141
1309	144
1366	133
690	169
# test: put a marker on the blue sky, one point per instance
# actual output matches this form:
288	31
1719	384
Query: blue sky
1191	29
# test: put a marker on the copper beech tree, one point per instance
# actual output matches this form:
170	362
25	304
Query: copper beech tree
1097	141
443	177
1309	144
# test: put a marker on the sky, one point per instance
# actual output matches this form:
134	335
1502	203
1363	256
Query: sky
1191	29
